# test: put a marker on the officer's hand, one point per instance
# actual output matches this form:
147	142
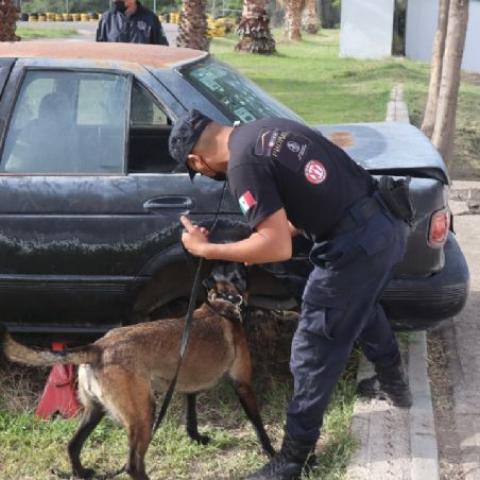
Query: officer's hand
194	238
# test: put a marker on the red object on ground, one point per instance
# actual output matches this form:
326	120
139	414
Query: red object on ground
59	392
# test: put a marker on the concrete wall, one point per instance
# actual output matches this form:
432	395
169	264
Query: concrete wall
422	18
366	28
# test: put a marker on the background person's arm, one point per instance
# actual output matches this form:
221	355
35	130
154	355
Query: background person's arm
158	36
100	36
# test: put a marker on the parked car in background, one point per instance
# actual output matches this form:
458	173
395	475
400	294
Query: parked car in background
90	198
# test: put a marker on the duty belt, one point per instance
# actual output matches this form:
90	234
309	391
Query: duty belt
358	214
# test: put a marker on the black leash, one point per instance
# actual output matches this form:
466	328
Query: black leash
188	323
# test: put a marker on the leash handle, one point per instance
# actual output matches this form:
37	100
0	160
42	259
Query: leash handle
188	322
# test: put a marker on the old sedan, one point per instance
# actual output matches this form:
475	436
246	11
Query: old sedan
90	199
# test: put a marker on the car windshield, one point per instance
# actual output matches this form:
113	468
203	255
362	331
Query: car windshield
236	96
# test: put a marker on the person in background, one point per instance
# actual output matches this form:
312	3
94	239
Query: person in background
129	21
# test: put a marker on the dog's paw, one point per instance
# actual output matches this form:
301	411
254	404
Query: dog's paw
202	439
84	473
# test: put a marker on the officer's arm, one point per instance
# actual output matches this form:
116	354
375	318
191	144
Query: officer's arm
271	242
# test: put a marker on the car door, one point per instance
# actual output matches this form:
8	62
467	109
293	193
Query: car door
77	227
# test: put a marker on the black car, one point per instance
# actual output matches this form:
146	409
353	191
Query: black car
90	199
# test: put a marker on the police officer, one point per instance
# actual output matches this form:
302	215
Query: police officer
130	22
287	179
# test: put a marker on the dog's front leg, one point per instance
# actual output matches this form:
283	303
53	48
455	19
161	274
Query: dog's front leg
191	420
249	404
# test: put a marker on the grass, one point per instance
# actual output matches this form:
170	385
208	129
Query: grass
36	33
312	80
233	451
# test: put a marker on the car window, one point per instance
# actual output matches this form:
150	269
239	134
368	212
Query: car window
68	122
149	132
236	96
145	111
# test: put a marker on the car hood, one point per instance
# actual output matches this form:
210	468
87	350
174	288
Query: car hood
389	148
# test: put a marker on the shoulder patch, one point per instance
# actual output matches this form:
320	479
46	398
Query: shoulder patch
315	172
265	142
247	201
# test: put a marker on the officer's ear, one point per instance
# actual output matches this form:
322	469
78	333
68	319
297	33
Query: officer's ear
195	162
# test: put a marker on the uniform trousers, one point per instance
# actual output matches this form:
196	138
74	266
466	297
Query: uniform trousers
340	306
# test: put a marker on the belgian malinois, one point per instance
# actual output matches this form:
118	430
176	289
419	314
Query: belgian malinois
120	373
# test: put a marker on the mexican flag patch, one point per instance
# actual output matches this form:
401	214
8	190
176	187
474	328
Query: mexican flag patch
247	201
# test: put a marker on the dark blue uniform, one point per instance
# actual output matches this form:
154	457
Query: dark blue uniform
277	163
141	27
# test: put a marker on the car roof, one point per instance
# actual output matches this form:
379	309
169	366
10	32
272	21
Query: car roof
149	55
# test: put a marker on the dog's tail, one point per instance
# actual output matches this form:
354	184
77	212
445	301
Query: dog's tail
17	352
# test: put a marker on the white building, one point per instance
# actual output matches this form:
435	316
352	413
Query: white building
367	30
421	25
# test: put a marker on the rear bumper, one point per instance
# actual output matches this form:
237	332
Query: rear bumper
414	303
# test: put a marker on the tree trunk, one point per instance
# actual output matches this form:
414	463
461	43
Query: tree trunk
8	21
254	30
311	22
192	29
436	69
293	19
443	133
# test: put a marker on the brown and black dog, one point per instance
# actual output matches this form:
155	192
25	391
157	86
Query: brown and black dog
120	373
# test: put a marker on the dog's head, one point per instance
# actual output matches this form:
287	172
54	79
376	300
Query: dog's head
227	282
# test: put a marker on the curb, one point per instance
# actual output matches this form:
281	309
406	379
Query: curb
397	443
423	439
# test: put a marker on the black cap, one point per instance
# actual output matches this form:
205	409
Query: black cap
185	134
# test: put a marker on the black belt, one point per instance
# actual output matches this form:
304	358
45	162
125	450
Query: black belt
358	214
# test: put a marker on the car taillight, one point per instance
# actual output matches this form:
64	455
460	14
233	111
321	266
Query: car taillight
439	225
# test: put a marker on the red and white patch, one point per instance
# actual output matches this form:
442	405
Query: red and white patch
315	172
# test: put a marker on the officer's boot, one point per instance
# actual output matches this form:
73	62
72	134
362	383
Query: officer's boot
288	464
389	383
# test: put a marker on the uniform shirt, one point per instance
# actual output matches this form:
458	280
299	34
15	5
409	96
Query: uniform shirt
278	163
143	26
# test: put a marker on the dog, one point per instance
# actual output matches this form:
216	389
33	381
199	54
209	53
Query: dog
120	373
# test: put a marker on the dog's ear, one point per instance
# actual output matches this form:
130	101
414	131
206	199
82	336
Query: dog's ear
238	276
240	282
209	282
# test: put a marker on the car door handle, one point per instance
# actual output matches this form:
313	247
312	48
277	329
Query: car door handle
169	202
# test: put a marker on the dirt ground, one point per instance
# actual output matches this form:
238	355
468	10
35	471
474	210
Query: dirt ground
442	397
454	365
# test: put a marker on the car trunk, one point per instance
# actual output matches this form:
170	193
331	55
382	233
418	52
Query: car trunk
389	148
400	149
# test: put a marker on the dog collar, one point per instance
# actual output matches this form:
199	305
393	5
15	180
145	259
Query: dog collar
236	303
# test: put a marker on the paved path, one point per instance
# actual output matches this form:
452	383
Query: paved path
86	30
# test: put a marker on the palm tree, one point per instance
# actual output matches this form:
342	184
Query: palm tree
254	29
293	18
192	29
311	20
8	21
